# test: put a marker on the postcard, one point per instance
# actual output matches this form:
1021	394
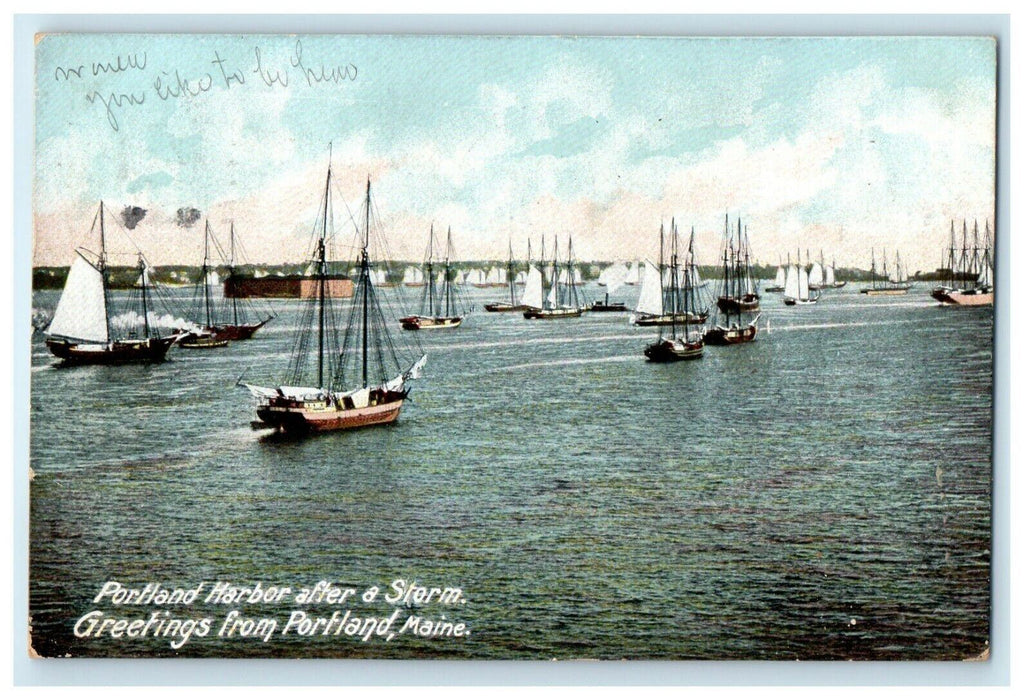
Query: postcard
512	347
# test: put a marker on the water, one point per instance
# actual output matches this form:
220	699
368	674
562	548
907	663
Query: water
823	493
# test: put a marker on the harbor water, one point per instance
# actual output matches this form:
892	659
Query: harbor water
822	493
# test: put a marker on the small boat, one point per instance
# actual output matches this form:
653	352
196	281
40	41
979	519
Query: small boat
366	360
81	330
444	315
511	305
606	305
564	298
829	281
203	342
778	282
674	347
886	284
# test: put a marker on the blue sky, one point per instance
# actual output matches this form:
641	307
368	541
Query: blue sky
833	144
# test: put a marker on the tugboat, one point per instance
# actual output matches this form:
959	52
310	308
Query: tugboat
81	331
366	361
428	318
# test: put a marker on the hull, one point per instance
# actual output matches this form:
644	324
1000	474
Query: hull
552	313
791	301
838	285
240	331
971	298
674	351
505	308
733	305
731	336
775	288
120	352
885	291
203	343
310	418
420	323
670	319
616	306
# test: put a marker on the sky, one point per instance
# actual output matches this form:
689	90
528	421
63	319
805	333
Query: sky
837	145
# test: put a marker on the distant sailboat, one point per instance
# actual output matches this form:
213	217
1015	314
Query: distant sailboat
563	300
736	295
797	284
886	284
446	314
972	272
366	360
413	277
778	282
500	306
81	332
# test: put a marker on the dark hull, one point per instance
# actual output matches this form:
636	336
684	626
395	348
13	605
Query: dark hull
667	351
941	294
733	305
731	336
616	306
419	323
241	331
504	308
116	353
552	313
775	289
670	319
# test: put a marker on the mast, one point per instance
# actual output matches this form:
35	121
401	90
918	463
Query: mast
511	273
429	274
204	270
321	269
143	295
662	267
447	275
102	263
232	267
554	275
365	281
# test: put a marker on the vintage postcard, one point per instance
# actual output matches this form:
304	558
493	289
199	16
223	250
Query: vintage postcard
512	347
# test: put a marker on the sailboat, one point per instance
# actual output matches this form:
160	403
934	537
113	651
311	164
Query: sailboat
672	347
972	274
737	291
81	332
797	285
655	306
736	295
829	281
500	306
564	298
446	314
778	282
236	325
413	277
366	360
886	284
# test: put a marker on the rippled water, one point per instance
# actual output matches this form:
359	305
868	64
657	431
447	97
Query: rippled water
822	493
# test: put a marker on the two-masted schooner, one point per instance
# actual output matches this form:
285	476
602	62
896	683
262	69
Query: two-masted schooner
797	284
81	330
439	307
355	381
887	283
659	286
737	295
218	322
511	304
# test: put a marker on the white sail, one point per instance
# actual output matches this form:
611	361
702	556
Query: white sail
521	277
459	278
987	277
553	297
650	301
613	277
779	281
828	275
578	277
815	276
803	284
81	312
696	280
791	283
533	294
633	274
413	275
563	276
496	276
